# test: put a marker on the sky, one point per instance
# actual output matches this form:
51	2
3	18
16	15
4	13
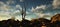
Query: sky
34	9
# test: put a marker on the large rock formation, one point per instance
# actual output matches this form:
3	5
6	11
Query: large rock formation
55	18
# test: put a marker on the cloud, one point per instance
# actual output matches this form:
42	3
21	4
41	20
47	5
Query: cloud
39	11
21	0
45	11
18	7
56	3
4	6
39	8
10	2
17	11
6	10
43	15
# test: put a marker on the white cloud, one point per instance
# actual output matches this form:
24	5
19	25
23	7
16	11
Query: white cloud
39	8
21	0
40	15
39	11
10	2
8	11
56	3
18	7
43	15
7	8
5	11
17	11
4	6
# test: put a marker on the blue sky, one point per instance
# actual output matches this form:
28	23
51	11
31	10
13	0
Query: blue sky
34	8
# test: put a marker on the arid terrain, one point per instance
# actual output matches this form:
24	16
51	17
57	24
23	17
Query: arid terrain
41	22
